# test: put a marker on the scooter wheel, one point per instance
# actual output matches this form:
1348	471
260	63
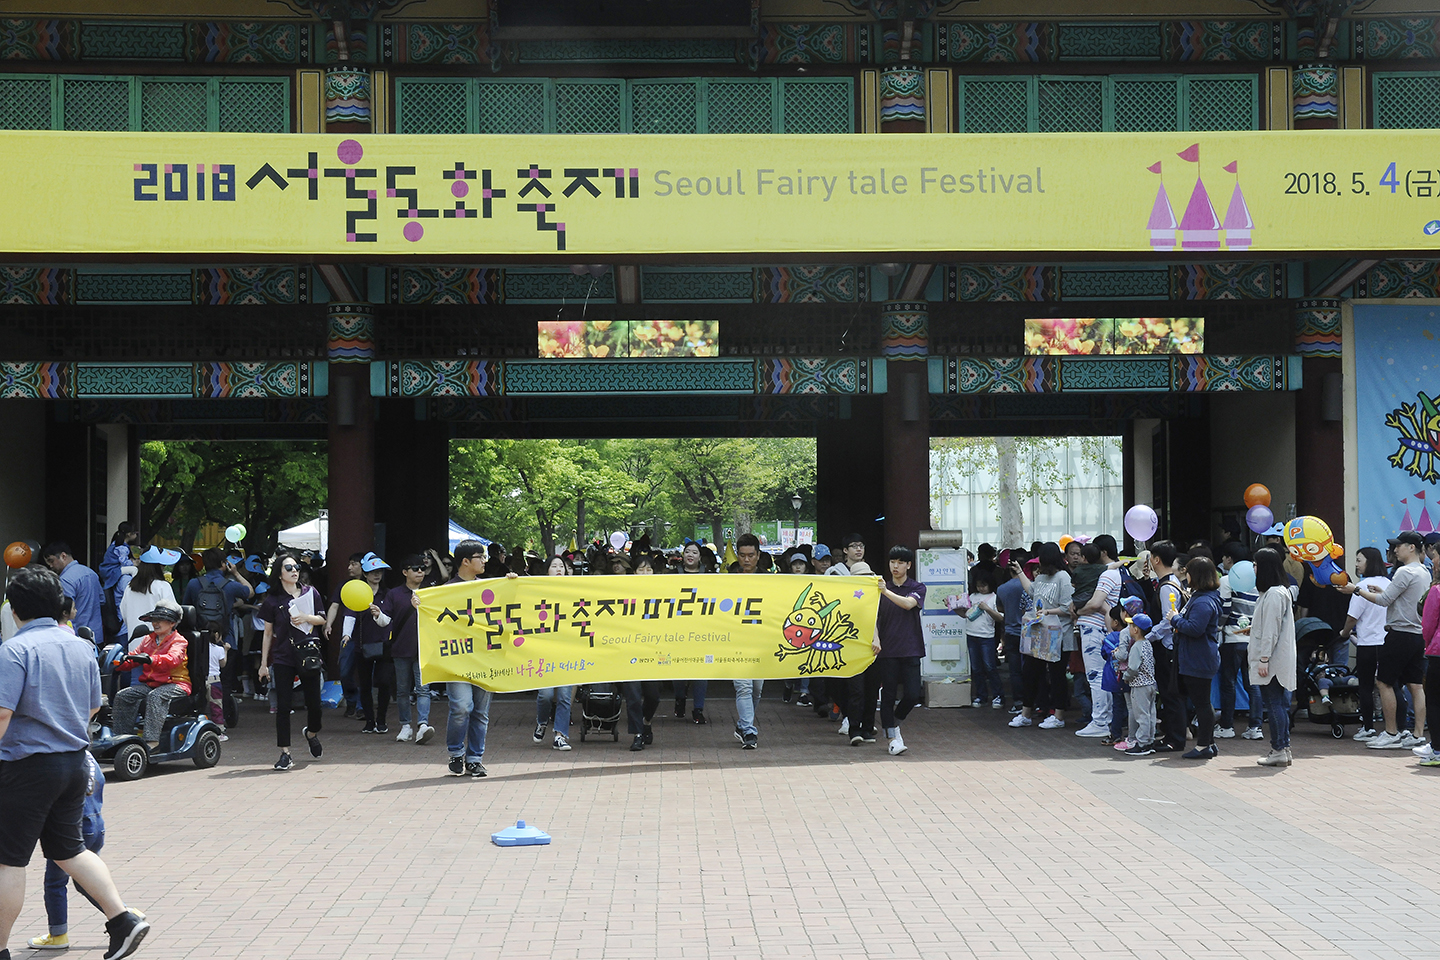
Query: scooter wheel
207	749
131	762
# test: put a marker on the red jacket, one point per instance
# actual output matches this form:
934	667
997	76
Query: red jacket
169	661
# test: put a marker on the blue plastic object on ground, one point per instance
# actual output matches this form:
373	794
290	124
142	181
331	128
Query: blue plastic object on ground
520	836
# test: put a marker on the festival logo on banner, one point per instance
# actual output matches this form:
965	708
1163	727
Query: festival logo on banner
1199	226
534	632
1397	399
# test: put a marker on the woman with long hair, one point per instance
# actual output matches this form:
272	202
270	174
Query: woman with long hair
1052	593
1365	625
1197	649
1272	651
556	699
293	611
147	589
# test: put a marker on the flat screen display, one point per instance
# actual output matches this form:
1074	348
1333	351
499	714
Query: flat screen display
603	339
1110	336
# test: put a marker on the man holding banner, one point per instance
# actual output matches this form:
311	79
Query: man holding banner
469	702
517	634
747	692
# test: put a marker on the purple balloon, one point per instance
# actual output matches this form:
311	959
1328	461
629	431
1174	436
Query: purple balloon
1259	518
1141	522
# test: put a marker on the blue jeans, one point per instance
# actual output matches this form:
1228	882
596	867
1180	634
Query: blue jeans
1277	705
469	716
747	694
1092	639
57	907
560	697
407	687
1235	663
697	687
984	673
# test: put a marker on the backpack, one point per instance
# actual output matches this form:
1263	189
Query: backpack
210	610
1130	587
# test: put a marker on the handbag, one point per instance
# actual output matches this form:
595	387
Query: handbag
1041	640
311	659
372	650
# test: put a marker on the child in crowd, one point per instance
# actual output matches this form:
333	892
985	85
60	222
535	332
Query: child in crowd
1137	654
1084	576
92	828
981	619
214	685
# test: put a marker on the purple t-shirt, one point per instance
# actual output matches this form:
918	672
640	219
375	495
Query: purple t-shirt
275	610
900	634
404	625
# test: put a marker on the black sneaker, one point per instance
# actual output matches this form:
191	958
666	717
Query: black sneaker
381	728
856	740
284	763
474	770
1202	753
698	716
787	694
739	734
639	742
368	728
349	710
1141	750
804	701
751	741
1165	746
457	766
867	737
649	734
679	708
539	735
314	741
126	931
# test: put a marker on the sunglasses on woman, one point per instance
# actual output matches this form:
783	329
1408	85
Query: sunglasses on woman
289	567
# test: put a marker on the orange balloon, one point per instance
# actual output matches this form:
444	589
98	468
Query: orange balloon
1257	494
18	554
1065	541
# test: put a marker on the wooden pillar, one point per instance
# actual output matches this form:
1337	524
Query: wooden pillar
850	476
904	343
351	447
412	474
1319	440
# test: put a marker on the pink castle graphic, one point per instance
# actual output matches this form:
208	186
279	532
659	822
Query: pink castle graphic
1199	227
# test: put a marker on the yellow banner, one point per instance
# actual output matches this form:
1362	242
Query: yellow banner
264	195
535	632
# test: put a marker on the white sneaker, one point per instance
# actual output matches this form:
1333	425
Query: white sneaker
997	703
845	727
1253	733
1408	739
424	733
1365	733
406	734
1091	730
1386	741
560	743
1425	752
897	745
1225	733
1020	720
1050	723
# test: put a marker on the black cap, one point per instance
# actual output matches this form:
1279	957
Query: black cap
1410	537
1431	539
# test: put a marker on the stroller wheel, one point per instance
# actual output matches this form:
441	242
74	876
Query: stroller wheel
615	733
584	726
1337	731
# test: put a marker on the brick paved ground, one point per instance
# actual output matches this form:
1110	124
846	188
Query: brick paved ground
982	841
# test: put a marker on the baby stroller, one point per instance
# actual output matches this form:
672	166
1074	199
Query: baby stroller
600	709
1330	692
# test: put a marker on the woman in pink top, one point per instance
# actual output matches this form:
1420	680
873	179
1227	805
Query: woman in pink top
1430	630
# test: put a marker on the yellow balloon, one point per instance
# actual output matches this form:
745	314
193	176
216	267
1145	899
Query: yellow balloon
357	595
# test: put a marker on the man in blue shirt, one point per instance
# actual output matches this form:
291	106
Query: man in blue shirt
1014	601
80	584
44	770
218	573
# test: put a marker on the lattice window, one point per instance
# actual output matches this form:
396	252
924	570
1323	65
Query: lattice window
1145	103
432	106
97	103
254	105
590	106
1066	104
1222	103
1407	100
665	106
818	105
511	106
25	103
173	104
994	105
740	106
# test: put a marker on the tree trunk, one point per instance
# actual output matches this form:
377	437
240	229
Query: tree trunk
1012	513
580	520
547	534
717	531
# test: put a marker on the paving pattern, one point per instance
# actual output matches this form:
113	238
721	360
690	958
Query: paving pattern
981	842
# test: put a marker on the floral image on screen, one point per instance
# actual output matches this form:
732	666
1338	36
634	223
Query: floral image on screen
601	339
1095	336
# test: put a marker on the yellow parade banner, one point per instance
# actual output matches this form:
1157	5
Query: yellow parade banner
533	632
300	195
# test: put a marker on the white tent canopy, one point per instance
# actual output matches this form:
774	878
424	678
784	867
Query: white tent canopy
458	533
310	535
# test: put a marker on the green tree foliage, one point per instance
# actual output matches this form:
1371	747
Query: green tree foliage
266	485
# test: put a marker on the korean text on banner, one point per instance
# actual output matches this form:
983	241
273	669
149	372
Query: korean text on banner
532	632
1209	192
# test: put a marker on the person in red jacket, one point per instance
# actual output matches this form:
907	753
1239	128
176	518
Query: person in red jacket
166	675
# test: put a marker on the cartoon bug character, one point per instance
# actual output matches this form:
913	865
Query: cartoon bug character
816	630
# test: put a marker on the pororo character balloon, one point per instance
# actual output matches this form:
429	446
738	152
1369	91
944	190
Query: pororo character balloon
1310	541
